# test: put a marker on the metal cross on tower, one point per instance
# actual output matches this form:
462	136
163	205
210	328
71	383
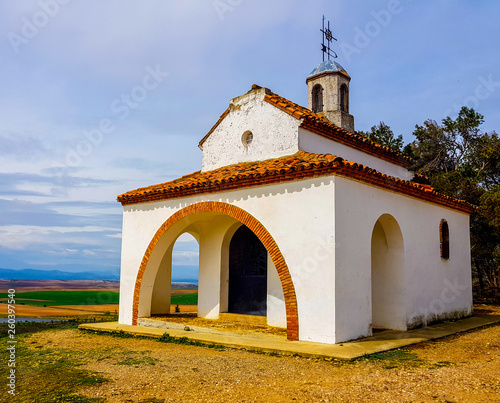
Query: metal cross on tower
327	34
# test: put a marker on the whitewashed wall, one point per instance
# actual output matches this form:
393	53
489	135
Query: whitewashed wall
309	254
314	143
330	269
274	133
434	288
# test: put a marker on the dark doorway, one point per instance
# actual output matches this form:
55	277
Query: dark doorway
247	274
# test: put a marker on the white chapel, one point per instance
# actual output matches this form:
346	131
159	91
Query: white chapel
302	222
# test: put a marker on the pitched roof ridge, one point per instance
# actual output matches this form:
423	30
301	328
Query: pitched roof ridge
221	118
275	99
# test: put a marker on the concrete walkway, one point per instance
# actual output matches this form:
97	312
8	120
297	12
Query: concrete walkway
384	341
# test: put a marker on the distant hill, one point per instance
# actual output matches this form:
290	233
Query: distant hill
184	286
32	274
184	280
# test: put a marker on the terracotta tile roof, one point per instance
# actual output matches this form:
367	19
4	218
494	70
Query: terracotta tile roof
301	165
322	126
318	124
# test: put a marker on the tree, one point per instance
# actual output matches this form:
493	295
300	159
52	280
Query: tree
446	147
464	162
485	159
382	134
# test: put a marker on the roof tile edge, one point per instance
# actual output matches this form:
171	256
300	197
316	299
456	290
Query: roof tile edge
299	166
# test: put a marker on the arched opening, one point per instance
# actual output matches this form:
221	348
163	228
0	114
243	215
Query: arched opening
444	239
344	98
175	286
247	292
210	223
185	266
317	98
387	275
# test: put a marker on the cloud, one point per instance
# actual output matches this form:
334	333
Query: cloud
186	237
63	81
33	184
62	214
186	255
22	237
17	145
186	251
142	164
60	234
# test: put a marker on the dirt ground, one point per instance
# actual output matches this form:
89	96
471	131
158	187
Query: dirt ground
28	311
459	368
188	317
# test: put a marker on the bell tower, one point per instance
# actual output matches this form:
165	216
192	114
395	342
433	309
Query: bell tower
328	87
328	94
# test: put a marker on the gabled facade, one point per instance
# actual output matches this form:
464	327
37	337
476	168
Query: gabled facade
302	221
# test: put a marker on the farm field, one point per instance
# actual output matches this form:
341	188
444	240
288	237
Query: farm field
184	297
66	297
27	311
53	298
56	298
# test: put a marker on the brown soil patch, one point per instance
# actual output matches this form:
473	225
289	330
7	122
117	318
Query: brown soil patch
76	310
94	308
181	292
184	308
54	311
460	368
484	310
24	299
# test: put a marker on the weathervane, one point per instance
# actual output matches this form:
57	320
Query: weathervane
327	34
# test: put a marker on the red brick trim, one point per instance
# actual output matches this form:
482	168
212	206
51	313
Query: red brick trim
292	320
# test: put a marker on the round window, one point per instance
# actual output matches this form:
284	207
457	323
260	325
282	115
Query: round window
247	138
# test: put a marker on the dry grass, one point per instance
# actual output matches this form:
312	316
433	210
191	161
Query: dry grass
459	368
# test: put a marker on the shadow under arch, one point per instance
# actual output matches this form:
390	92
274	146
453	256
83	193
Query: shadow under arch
257	228
388	275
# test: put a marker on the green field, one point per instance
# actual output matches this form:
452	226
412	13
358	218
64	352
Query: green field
51	298
185	299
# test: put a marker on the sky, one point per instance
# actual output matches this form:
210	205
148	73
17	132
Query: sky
101	97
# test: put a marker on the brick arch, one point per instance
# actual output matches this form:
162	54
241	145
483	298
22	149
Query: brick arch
292	321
